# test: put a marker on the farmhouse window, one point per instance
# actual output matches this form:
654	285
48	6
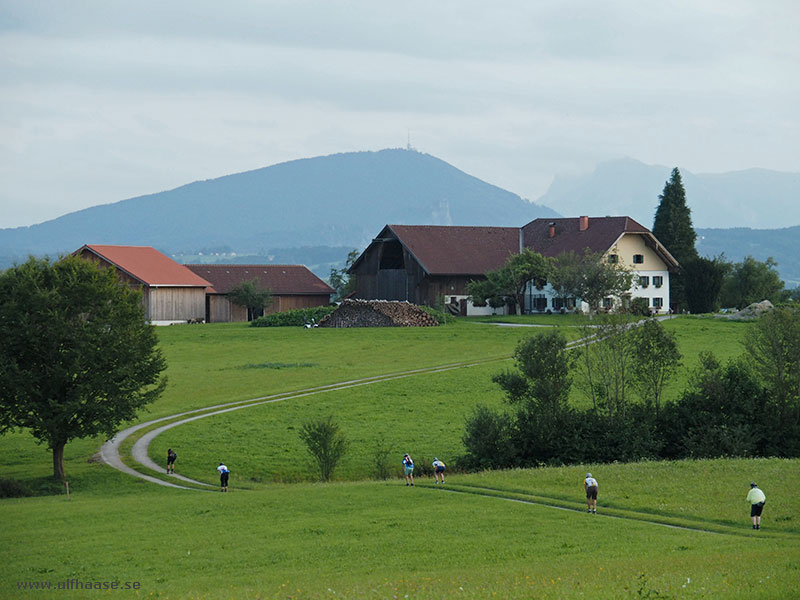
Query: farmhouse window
658	280
638	259
539	303
613	259
644	281
658	302
608	302
566	303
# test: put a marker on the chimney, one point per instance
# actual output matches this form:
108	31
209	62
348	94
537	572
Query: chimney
552	229
583	224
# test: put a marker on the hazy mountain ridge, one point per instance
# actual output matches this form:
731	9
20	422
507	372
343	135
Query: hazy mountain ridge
757	198
337	200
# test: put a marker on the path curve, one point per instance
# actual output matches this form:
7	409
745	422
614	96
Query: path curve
110	451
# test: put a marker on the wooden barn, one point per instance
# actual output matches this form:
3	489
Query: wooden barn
429	264
172	293
292	286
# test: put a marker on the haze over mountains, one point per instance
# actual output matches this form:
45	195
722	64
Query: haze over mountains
313	211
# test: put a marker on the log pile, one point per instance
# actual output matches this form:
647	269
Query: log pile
378	313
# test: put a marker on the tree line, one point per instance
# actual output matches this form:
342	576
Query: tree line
749	406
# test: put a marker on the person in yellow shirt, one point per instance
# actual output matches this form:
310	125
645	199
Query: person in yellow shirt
756	498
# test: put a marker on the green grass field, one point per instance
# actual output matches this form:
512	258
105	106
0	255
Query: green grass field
664	529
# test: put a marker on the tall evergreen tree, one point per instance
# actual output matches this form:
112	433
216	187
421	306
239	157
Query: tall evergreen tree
673	228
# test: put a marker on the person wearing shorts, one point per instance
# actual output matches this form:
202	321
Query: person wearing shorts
171	458
757	499
224	473
408	469
590	486
438	470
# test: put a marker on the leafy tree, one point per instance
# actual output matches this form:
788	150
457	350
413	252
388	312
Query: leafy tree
703	279
606	364
656	359
341	281
512	278
76	355
544	366
590	278
325	443
673	228
774	345
252	296
752	281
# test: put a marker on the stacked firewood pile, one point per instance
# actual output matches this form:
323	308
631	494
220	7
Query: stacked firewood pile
378	313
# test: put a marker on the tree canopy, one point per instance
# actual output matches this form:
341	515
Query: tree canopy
590	277
512	278
340	281
252	296
77	357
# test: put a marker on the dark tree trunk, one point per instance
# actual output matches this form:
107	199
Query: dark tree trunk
58	461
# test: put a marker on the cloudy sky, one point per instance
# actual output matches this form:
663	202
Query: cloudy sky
103	100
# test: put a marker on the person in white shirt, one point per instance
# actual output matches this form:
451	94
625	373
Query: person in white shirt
590	486
224	473
756	498
438	470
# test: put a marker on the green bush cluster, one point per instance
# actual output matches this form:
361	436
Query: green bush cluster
293	318
440	316
11	488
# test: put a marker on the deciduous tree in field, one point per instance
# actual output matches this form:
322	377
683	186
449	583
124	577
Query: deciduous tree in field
512	278
76	355
656	359
250	295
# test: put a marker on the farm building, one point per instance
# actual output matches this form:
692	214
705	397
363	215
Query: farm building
172	293
291	286
432	265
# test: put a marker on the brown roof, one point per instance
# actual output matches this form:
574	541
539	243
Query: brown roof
146	264
278	279
600	236
450	250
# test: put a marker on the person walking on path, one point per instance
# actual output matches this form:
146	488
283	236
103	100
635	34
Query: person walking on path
408	469
756	498
224	473
590	486
438	470
171	458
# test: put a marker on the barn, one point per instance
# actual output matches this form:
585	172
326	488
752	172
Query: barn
431	264
171	292
292	286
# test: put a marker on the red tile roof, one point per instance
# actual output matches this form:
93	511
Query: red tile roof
146	264
278	279
600	235
450	250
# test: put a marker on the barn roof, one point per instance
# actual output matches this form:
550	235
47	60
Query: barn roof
599	235
278	279
451	250
146	264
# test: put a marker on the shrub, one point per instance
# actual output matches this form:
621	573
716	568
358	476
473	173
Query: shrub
639	306
441	317
326	444
11	488
293	318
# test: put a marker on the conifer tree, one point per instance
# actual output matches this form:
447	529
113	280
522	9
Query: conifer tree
673	228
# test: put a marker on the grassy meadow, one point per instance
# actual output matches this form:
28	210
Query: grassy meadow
505	534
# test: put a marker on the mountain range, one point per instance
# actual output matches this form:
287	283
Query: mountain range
314	211
756	198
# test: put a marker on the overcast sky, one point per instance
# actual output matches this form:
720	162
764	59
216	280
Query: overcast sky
103	100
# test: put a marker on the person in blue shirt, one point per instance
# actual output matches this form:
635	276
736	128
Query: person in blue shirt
408	469
438	470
